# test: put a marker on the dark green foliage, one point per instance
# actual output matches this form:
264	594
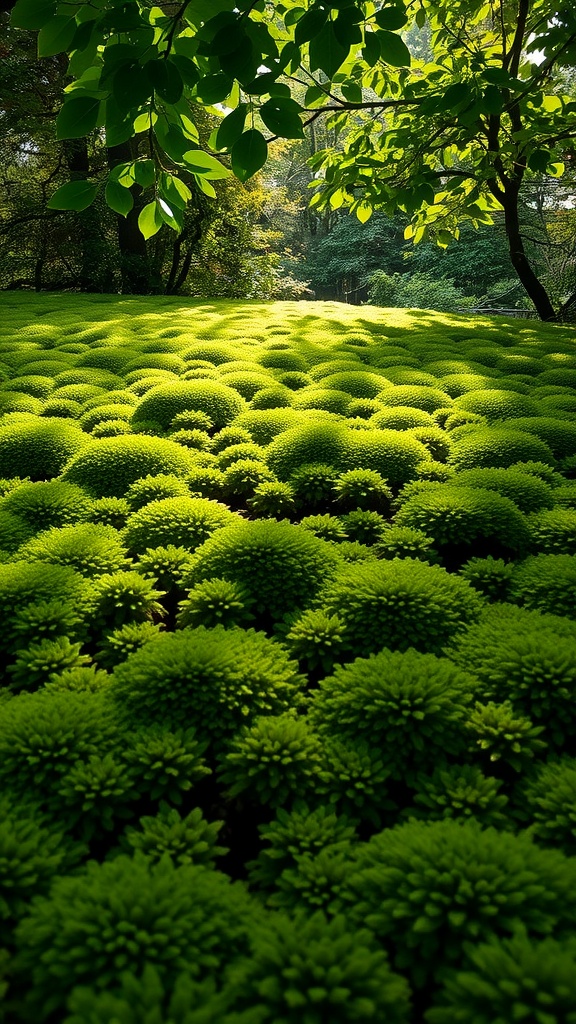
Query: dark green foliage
313	484
513	978
364	489
24	586
459	791
188	840
428	888
503	734
44	620
281	566
353	779
110	512
326	526
206	482
316	639
154	488
296	833
465	516
88	548
182	522
163	764
525	489
38	449
547	583
14	531
214	679
107	467
117	916
315	970
490	576
36	664
547	803
411	707
557	433
164	565
96	792
405	542
272	498
315	883
553	531
121	642
274	761
497	404
400	604
215	399
119	598
48	503
215	602
243	477
364	526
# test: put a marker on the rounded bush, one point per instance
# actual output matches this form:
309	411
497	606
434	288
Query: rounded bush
100	413
214	679
181	521
411	707
558	434
362	488
262	425
48	503
220	402
186	840
121	597
322	398
466	517
276	397
27	584
553	531
547	583
497	405
155	487
281	566
490	576
38	448
38	663
498	446
106	468
89	548
400	604
547	803
401	417
355	383
127	914
511	978
14	531
460	792
364	526
62	407
213	603
426	889
33	384
416	396
437	441
405	542
272	498
526	490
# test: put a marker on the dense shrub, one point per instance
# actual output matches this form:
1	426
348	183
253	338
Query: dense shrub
107	467
38	449
428	888
220	402
410	706
48	503
25	586
553	531
182	521
490	576
498	446
215	602
497	405
558	434
119	915
400	604
547	583
400	418
405	542
548	804
155	487
459	791
527	491
186	840
214	679
281	566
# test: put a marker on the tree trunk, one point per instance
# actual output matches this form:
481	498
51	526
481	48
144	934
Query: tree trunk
131	242
90	277
532	285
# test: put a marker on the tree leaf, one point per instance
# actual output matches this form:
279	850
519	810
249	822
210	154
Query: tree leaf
391	18
149	220
166	79
131	86
119	199
74	195
310	25
78	117
214	89
249	154
56	35
327	53
393	49
199	162
351	92
144	172
538	160
32	14
205	186
281	116
420	18
371	49
187	68
232	127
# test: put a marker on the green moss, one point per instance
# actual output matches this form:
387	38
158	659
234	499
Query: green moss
106	468
38	448
181	521
89	548
464	517
220	402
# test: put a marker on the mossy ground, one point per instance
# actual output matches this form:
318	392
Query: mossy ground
300	579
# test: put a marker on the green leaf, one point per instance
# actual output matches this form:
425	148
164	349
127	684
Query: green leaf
391	18
199	162
243	62
326	51
538	160
166	79
371	49
149	220
420	18
443	238
75	195
249	154
214	89
78	117
32	14
310	25
173	217
205	186
492	100
281	117
364	212
131	86
119	199
187	68
456	96
56	35
204	10
144	172
232	127
393	50
351	92
293	16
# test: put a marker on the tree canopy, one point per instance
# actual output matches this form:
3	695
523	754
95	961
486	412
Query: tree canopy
449	108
